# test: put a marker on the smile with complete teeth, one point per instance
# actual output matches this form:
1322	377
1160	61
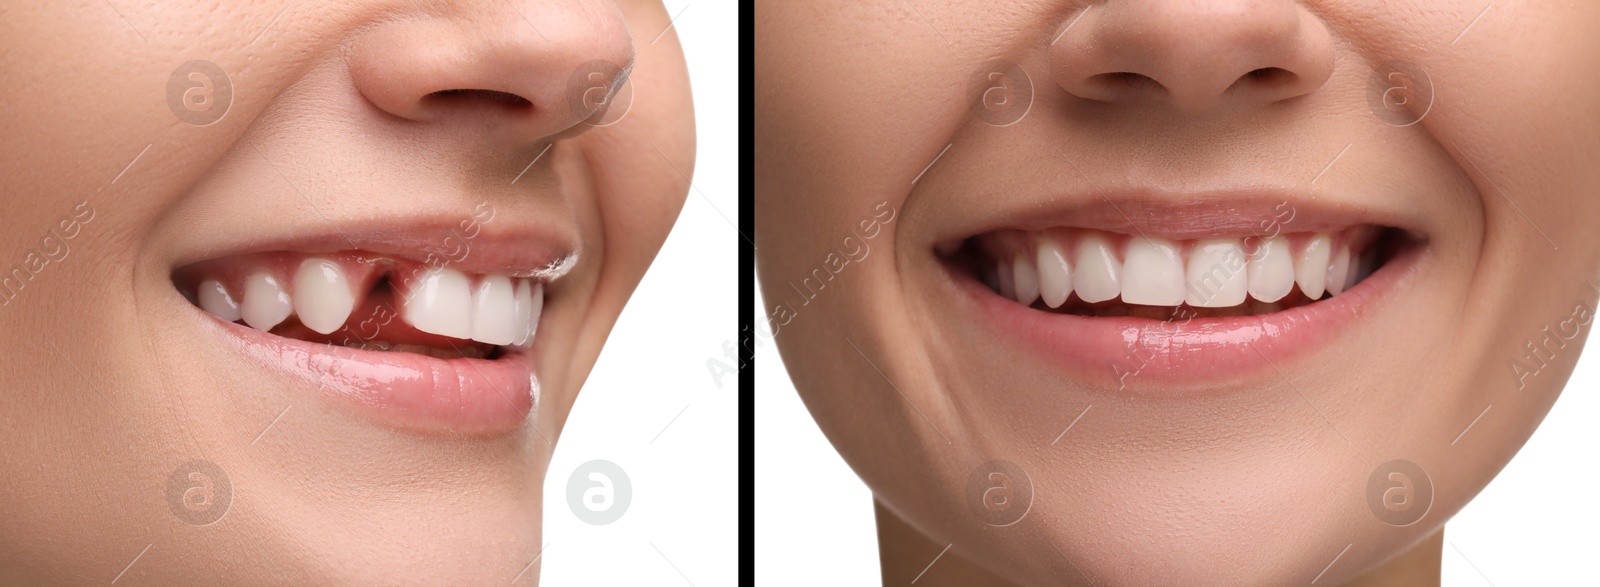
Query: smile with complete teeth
1096	273
313	296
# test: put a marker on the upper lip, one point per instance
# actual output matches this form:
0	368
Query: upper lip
1219	213
500	246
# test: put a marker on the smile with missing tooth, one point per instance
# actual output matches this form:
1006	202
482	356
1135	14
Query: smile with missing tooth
441	311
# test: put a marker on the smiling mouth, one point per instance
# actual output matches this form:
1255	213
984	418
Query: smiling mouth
1175	296
1096	273
373	318
372	302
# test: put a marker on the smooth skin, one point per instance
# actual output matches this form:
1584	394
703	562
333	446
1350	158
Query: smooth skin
110	384
863	106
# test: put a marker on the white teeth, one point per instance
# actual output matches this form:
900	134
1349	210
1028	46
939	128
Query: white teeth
494	310
265	303
1055	274
215	299
1339	271
1099	275
529	305
1216	275
1154	272
500	311
1152	275
1271	271
440	303
1022	270
1311	267
322	297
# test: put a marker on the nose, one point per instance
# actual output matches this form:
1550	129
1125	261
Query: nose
1196	55
501	78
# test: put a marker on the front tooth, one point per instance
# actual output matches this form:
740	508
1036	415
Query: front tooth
1216	274
322	297
266	304
1339	270
494	309
1271	272
1153	273
215	299
529	305
1099	276
1311	268
1022	269
441	303
1055	274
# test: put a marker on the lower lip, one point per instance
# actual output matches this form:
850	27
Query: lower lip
1141	357
402	390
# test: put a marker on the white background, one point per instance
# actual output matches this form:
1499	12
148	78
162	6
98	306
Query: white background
1534	525
682	525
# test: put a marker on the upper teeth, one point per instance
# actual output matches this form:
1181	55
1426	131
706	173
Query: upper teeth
1207	273
215	299
265	302
441	303
494	296
499	310
322	295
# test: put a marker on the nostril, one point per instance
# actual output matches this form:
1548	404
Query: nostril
1268	76
490	96
1121	83
1136	81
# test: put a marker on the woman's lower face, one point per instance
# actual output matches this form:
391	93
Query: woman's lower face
305	294
1127	293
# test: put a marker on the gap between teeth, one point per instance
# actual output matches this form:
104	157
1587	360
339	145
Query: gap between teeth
1215	273
492	309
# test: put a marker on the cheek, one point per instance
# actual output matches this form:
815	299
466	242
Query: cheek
644	159
642	169
851	113
1517	113
1526	129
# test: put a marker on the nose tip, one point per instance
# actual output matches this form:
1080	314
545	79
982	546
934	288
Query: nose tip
1193	55
502	76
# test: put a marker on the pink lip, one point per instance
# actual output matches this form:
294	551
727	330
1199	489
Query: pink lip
399	389
1156	358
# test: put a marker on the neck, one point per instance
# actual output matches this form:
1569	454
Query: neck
904	553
